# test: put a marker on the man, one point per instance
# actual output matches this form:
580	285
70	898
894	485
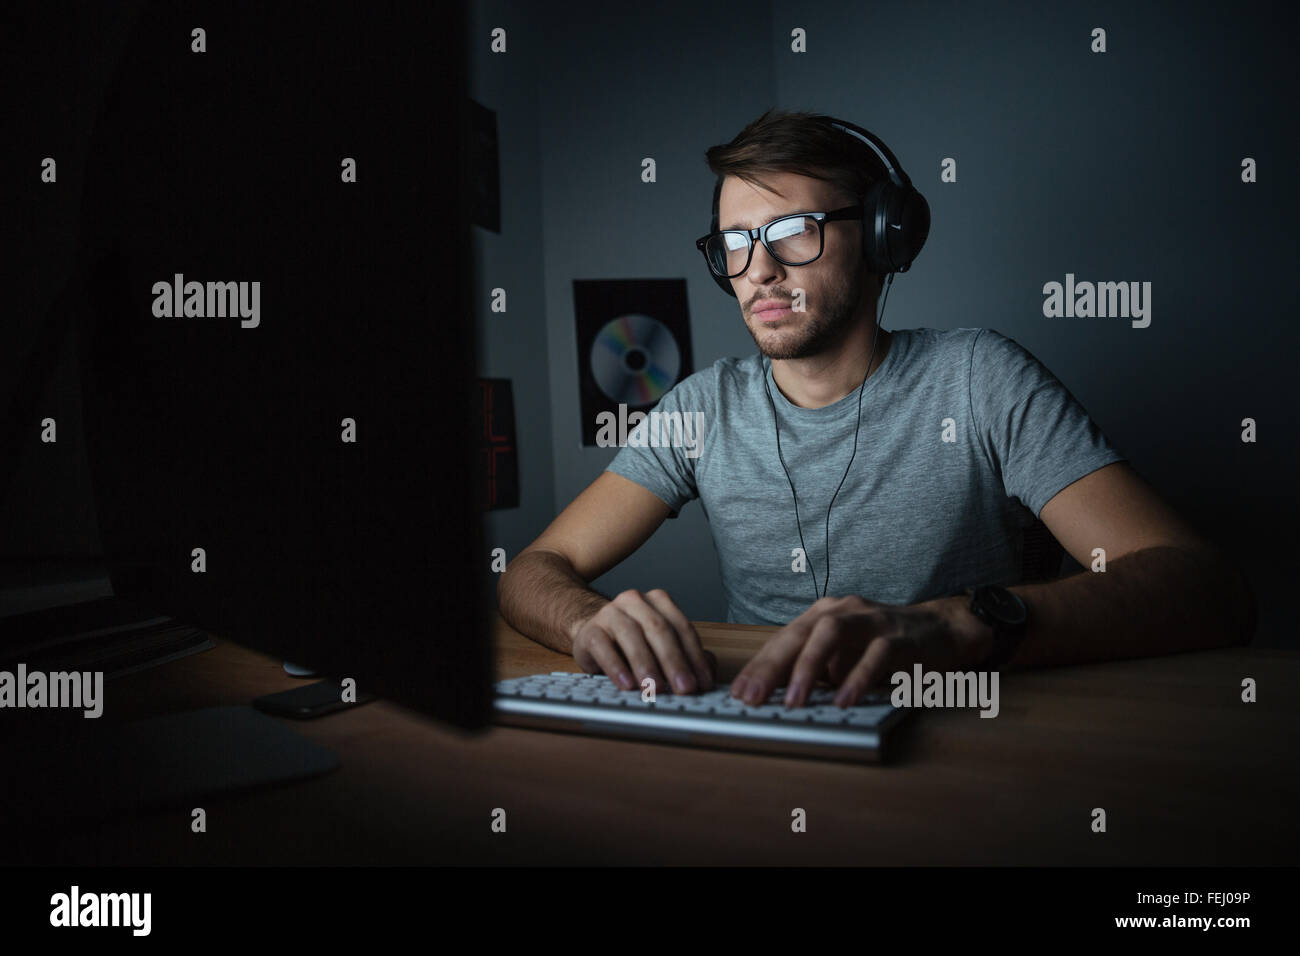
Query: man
922	455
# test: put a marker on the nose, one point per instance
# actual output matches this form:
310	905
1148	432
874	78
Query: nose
764	270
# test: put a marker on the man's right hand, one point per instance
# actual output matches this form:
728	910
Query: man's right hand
636	636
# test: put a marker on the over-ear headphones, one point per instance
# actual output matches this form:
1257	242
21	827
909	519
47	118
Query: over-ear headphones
895	216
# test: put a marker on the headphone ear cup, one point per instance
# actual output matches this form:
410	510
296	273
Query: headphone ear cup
875	227
913	216
897	222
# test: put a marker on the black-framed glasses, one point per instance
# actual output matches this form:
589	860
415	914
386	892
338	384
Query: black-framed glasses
793	240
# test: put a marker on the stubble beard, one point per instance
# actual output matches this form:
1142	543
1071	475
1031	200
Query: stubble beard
817	333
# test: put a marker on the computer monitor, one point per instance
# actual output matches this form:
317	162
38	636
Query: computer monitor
277	344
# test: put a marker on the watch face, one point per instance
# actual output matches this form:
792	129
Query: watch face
1004	605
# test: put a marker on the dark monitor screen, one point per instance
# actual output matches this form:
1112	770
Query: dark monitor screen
277	343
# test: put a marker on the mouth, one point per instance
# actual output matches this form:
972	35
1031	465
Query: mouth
772	314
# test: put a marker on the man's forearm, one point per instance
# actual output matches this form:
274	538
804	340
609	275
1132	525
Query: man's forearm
1150	602
541	596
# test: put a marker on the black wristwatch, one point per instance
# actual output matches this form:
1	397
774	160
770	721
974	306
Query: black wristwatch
1005	612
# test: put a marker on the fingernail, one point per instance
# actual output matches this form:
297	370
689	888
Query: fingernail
792	693
754	694
681	683
625	680
739	686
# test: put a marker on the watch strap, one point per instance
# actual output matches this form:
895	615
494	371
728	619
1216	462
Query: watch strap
1005	638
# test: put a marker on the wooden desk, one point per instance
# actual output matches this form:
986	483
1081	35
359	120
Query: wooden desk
1187	773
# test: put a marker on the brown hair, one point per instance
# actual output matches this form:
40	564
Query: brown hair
784	141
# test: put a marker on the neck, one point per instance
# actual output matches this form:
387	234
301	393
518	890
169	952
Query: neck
821	380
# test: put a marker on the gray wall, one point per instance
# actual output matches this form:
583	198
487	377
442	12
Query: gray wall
651	100
1115	166
513	344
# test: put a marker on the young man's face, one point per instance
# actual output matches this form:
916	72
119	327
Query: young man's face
833	285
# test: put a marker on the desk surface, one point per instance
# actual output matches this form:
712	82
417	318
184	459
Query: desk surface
1187	774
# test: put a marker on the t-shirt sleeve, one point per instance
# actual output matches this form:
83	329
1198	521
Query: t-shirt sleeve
662	459
1038	435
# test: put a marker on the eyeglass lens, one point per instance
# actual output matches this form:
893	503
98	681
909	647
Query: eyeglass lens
793	242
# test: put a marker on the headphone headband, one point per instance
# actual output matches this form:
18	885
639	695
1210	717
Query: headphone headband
892	166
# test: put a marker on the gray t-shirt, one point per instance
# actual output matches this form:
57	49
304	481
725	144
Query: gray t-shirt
965	436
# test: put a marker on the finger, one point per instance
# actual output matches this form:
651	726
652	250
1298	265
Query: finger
771	665
664	642
632	642
845	634
883	656
839	665
687	636
597	653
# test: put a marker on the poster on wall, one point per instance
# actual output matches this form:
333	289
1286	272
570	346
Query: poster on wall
634	344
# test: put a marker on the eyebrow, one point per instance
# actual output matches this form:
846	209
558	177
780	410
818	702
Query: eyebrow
741	225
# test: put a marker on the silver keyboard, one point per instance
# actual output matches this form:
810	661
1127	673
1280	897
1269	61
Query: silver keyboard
591	704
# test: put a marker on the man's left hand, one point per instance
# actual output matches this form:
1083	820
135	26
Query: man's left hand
855	644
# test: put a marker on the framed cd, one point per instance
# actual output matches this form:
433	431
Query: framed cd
633	344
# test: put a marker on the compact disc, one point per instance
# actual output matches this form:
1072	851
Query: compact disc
635	359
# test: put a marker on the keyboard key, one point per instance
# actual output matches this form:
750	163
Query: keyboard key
795	715
671	704
822	718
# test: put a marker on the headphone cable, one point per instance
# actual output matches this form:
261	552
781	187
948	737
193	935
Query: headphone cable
856	428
